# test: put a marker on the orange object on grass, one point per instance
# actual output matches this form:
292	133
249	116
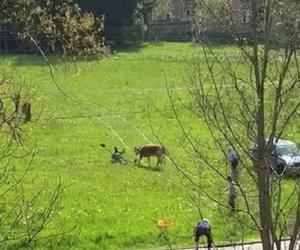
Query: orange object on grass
162	224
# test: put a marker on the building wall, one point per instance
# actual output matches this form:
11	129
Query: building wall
241	15
171	21
173	10
170	31
183	10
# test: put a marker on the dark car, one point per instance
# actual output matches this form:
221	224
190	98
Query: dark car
286	157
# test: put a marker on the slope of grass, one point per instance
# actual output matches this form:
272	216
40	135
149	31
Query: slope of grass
116	101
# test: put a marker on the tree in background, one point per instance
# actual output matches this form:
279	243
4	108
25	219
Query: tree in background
118	13
121	15
58	26
247	98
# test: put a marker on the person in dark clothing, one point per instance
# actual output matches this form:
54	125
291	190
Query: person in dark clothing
233	159
203	228
116	156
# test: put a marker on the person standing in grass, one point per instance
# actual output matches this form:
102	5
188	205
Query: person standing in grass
233	159
231	194
203	229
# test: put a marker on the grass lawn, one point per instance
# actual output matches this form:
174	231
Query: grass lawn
115	101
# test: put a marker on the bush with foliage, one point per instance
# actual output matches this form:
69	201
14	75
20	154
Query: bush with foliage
57	25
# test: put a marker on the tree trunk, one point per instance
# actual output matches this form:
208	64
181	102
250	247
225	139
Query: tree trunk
263	171
264	207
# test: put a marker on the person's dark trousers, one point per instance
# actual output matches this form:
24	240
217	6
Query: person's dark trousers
209	241
234	172
231	203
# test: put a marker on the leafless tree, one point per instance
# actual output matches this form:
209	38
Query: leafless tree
25	214
246	97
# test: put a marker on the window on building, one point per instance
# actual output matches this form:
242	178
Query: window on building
297	24
245	16
168	16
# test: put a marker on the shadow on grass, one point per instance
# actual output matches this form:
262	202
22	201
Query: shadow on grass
36	59
53	59
150	168
132	48
127	48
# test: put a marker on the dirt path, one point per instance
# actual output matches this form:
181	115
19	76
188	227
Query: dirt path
246	246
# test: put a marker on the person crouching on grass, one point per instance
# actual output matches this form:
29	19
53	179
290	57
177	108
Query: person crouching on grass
203	228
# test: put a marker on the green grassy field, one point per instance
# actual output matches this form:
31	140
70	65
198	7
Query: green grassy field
115	101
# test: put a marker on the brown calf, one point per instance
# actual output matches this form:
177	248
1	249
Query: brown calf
150	150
